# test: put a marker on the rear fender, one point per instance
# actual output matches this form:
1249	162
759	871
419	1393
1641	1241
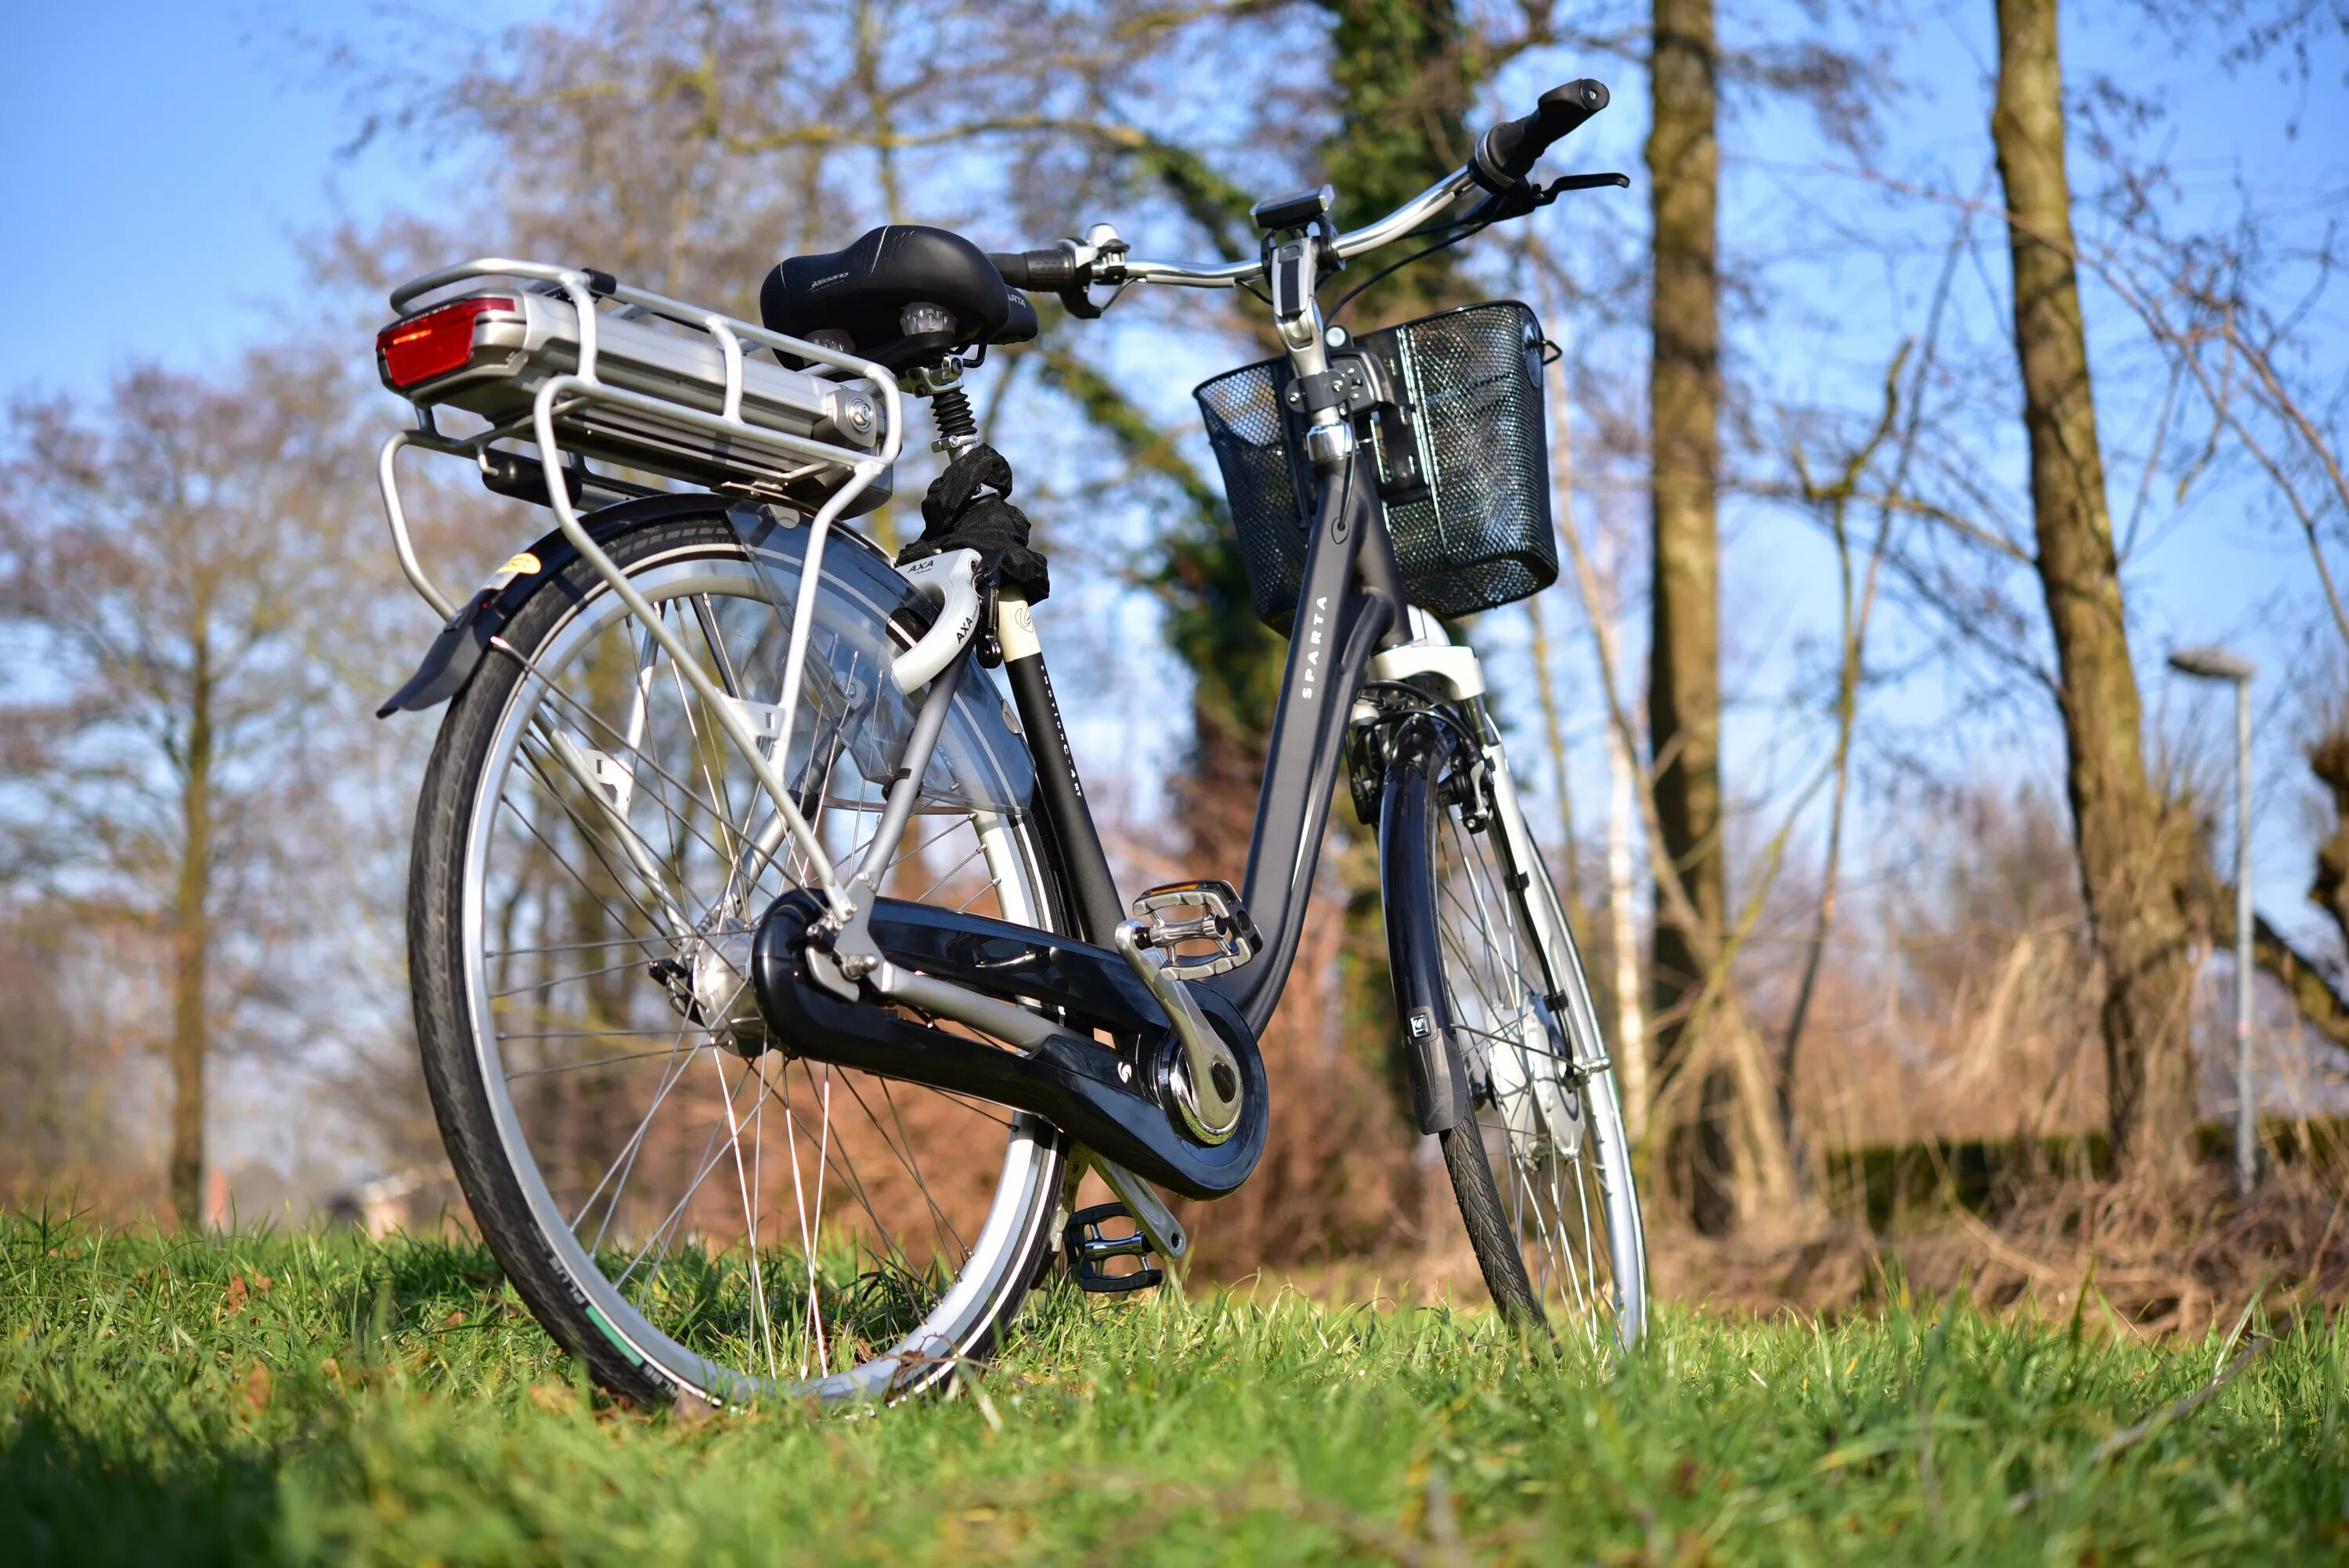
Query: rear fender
450	662
455	657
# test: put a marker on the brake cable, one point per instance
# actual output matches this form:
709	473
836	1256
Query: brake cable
1462	231
1498	208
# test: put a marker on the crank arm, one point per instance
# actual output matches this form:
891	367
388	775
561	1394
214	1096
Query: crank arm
1167	1237
1208	1093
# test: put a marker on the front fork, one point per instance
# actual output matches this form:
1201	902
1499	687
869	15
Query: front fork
1417	763
1405	761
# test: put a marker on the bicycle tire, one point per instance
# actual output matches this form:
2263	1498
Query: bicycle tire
1554	1128
626	1349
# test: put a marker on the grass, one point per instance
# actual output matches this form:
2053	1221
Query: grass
298	1399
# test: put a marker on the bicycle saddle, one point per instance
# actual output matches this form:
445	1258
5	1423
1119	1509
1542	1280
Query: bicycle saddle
901	294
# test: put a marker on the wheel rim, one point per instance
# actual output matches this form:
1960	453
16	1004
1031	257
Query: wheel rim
743	1223
1552	1133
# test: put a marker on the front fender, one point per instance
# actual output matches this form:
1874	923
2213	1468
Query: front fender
1407	828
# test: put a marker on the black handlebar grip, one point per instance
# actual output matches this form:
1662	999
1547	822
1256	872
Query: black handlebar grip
1510	149
1052	271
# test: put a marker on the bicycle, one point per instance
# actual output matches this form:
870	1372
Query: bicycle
773	987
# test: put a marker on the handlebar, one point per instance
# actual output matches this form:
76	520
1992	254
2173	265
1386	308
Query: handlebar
1047	271
1510	149
1505	156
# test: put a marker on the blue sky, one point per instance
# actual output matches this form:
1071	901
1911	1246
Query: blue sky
158	164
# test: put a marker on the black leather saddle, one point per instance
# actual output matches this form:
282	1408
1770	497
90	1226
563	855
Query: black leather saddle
903	294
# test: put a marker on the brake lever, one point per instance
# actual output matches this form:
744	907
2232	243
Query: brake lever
1519	200
1101	246
1566	182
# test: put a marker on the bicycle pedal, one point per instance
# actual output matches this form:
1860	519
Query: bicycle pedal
1089	1251
1221	919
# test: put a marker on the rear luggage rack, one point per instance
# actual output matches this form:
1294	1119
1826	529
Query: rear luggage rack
575	365
644	382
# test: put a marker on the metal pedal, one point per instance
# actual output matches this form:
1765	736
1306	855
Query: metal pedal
1221	919
1088	1250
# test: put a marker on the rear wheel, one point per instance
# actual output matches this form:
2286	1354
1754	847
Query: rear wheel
681	1199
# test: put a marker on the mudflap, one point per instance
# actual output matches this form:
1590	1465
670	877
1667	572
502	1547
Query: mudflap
450	663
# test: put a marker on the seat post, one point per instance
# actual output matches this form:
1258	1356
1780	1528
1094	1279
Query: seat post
958	426
940	381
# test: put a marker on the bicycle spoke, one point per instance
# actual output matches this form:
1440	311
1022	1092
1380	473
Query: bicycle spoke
855	1188
903	1146
556	855
750	1217
593	1062
1495	986
626	1160
814	1302
607	906
551	982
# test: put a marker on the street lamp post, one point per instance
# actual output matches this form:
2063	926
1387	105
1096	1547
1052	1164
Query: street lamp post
2217	664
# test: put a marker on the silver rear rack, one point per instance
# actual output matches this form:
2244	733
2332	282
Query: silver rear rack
580	366
652	384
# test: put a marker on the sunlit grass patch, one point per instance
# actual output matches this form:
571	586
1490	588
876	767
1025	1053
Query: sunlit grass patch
242	1399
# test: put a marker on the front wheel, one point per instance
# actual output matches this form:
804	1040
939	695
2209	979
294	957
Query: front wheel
1541	1167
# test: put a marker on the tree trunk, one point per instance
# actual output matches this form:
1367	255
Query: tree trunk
1684	652
1623	929
1400	67
192	956
2123	838
2209	903
2328	758
2314	996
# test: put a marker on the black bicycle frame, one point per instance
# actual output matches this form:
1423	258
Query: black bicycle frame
1044	995
1350	605
1014	983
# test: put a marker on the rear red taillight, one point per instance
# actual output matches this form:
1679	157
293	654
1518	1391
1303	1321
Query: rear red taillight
434	343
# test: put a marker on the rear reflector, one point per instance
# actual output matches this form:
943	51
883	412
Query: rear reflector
434	343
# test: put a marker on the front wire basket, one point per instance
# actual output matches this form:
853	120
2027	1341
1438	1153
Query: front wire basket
1463	466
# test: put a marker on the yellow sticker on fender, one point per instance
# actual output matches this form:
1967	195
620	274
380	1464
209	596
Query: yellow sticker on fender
523	564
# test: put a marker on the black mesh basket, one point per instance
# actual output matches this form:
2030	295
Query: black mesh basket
1463	466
